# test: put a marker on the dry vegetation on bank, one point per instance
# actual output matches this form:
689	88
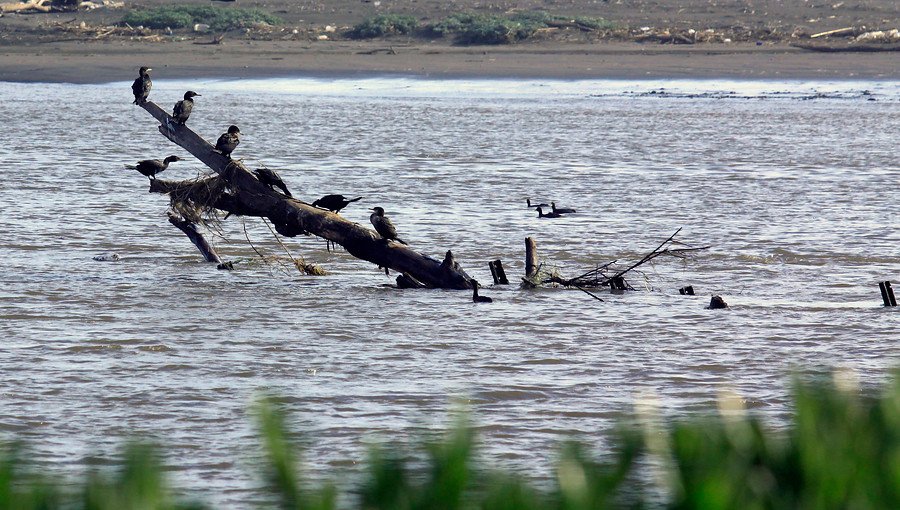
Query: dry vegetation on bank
460	22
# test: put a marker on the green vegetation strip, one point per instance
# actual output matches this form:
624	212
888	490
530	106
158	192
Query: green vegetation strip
182	16
473	28
842	450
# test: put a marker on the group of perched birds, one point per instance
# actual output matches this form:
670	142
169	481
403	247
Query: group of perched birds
555	212
228	142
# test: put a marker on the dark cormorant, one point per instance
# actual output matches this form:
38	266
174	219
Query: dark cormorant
183	108
383	225
272	180
475	297
334	203
142	85
151	167
229	141
560	210
541	214
530	205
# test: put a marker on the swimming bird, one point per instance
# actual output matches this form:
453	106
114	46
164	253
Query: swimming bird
475	297
272	180
183	108
560	210
229	141
530	205
384	226
142	85
151	167
334	203
541	214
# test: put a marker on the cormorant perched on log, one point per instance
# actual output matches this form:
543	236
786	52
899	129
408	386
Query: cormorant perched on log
334	203
560	210
183	108
272	180
541	214
475	297
142	85
530	205
151	167
383	225
229	141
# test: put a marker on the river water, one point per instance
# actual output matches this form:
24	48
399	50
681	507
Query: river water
791	184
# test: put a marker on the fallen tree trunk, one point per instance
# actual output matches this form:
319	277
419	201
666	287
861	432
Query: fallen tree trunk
292	217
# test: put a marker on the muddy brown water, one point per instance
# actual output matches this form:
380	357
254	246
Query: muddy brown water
792	184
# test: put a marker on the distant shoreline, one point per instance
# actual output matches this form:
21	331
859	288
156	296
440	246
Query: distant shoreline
103	62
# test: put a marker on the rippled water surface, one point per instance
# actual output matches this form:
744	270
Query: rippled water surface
793	185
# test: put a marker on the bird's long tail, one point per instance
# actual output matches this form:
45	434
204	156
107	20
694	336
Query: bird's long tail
130	167
401	241
354	199
285	190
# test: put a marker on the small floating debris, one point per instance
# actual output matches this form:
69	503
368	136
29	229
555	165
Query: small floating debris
107	257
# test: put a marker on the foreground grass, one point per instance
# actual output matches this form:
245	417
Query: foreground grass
183	16
841	451
473	28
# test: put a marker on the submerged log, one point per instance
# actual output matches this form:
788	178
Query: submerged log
253	198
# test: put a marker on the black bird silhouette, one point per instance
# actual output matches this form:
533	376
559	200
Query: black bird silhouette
560	210
541	214
272	180
183	108
475	297
151	167
142	85
334	203
384	226
229	141
530	205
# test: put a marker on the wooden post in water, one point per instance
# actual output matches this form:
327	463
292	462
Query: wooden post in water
531	258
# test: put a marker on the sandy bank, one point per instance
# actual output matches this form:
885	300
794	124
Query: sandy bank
80	62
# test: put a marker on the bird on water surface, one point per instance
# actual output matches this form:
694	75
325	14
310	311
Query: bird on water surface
475	297
334	203
541	214
271	179
151	167
384	226
142	85
182	110
560	210
229	141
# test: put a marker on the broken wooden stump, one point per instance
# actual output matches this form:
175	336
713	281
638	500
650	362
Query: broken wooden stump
497	272
531	258
887	293
686	291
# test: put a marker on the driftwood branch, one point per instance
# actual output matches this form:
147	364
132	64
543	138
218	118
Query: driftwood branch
294	216
609	275
37	5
